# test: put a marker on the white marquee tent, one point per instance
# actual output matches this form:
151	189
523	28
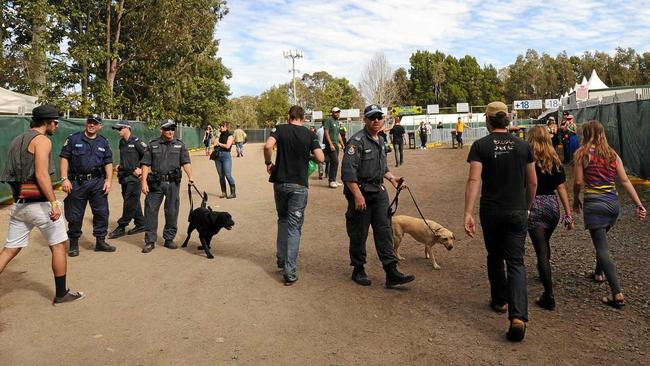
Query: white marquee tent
16	103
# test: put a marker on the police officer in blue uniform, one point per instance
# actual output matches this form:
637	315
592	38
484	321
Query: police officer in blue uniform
161	178
363	171
87	174
128	173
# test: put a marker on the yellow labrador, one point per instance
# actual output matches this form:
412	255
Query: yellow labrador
421	232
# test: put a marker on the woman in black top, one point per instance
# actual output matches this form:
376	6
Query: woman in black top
207	138
545	212
223	160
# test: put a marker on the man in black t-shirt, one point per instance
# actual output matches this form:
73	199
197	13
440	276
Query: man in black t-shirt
397	136
506	168
289	176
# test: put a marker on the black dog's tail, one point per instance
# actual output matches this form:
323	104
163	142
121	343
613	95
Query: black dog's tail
204	199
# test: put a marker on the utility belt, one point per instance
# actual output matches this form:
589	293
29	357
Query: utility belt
122	173
99	173
174	176
371	186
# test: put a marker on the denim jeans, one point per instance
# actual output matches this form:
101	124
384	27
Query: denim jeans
504	232
290	202
240	148
224	168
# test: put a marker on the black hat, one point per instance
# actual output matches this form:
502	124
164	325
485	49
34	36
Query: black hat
95	117
122	124
372	110
566	113
45	112
167	123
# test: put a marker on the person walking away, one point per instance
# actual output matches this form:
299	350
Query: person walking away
207	139
363	170
397	137
422	131
223	160
460	127
333	145
128	173
161	178
597	167
343	132
572	133
545	212
505	167
240	139
290	185
564	137
320	134
87	177
28	171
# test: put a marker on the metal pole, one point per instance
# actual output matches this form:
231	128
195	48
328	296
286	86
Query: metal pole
293	69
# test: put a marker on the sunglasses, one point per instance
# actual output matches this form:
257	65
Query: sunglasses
92	122
166	129
119	128
56	123
376	118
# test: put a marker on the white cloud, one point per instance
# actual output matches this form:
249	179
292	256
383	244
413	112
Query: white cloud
341	36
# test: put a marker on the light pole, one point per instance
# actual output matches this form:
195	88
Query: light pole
293	55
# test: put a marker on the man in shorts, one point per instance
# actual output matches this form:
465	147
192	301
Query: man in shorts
28	170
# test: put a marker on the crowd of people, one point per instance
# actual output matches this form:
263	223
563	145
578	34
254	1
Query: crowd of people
521	184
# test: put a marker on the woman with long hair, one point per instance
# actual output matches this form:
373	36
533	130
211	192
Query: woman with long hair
597	166
223	160
207	139
572	137
545	212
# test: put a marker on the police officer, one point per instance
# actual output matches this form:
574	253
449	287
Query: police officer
363	170
87	174
161	177
128	174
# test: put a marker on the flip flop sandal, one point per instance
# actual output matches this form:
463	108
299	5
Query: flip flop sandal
617	304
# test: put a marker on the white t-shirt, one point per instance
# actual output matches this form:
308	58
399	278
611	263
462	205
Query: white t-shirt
320	133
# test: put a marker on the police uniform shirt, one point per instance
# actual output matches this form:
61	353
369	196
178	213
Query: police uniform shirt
164	156
131	152
86	155
364	160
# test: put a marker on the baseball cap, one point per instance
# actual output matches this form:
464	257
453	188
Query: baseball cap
167	123
122	124
94	117
45	112
495	108
372	110
336	109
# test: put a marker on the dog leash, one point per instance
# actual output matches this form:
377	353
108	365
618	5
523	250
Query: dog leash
189	193
391	212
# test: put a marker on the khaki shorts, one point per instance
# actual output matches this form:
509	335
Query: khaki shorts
26	216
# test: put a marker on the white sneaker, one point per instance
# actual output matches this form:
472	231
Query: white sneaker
339	184
334	185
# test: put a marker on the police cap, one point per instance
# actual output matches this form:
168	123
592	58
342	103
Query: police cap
95	117
167	123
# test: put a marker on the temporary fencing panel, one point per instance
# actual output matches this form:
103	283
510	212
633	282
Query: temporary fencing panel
10	127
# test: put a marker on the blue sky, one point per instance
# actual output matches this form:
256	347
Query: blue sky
341	36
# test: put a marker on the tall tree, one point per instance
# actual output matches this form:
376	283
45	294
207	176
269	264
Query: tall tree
273	106
402	87
375	83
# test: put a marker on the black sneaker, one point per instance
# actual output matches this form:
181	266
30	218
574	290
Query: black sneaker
68	297
290	280
169	244
148	247
546	302
119	231
136	230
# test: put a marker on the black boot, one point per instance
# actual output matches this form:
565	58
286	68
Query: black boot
232	192
359	276
119	231
73	249
395	277
169	244
101	246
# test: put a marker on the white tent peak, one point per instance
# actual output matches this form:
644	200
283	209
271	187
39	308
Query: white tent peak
595	82
584	80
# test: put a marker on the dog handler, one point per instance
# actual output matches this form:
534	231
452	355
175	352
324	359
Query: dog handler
161	178
363	170
506	167
128	173
29	161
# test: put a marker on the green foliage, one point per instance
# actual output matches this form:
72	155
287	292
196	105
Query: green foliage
243	111
322	91
273	106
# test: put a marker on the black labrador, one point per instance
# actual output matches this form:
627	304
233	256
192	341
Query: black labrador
208	223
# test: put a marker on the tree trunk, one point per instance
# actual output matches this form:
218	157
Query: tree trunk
108	47
112	63
37	57
85	105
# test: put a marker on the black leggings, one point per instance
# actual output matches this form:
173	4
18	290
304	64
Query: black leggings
604	262
541	238
399	153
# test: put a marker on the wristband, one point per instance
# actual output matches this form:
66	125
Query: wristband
63	179
54	204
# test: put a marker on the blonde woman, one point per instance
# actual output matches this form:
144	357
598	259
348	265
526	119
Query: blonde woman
545	212
597	167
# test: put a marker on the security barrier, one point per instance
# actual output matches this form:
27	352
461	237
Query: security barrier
10	127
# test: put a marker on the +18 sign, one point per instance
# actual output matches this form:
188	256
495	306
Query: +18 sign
527	104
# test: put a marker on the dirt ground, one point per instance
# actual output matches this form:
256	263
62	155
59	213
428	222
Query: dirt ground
177	307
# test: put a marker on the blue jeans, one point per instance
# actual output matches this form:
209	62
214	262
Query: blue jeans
224	168
290	202
240	148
